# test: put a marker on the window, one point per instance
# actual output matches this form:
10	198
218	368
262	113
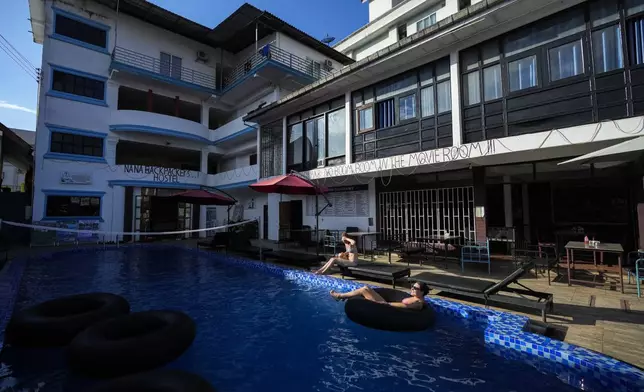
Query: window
522	73
563	25
78	85
566	61
607	48
444	94
472	88
636	40
73	206
402	31
386	114
67	143
77	30
492	82
252	159
427	101
407	107
426	22
337	129
295	145
365	119
315	146
170	65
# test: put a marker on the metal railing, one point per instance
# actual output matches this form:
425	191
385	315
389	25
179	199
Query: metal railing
272	52
162	68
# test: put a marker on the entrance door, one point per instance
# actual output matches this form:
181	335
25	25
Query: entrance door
265	236
285	220
296	214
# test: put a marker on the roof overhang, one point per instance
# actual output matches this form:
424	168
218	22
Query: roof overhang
468	27
15	149
629	150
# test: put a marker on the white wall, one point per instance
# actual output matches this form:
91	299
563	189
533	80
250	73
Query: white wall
292	46
245	53
380	42
378	7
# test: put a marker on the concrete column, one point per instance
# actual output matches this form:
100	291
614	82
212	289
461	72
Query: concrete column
273	216
507	201
204	162
112	95
110	149
259	153
455	82
348	109
205	114
526	212
284	145
480	202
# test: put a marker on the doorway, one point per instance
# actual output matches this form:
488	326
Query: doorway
265	223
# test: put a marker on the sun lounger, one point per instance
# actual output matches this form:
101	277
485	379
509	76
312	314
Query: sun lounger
219	241
295	258
244	246
376	271
488	292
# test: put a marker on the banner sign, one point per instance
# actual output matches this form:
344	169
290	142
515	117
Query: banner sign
161	174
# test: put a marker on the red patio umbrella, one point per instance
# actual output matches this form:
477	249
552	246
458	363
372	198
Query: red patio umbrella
289	184
203	197
293	184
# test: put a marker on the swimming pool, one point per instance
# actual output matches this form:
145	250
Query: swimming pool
260	330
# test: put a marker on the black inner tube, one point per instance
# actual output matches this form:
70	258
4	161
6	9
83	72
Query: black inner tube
386	317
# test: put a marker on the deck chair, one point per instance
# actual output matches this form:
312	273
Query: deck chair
490	292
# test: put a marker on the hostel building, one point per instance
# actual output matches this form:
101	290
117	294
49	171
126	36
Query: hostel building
460	117
136	102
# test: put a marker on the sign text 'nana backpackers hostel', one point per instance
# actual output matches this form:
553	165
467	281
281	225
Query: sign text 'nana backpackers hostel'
161	174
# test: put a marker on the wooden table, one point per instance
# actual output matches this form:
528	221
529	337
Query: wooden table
362	234
602	248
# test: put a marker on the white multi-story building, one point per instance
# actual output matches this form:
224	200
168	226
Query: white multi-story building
137	102
459	116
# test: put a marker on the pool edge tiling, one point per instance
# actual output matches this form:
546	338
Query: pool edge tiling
500	329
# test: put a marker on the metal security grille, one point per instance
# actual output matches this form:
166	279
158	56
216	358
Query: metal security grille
427	212
271	150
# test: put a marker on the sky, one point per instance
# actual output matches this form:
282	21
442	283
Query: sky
18	91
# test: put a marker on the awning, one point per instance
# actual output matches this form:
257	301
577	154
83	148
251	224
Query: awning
289	184
203	197
625	151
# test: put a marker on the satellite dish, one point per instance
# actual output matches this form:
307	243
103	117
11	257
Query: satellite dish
328	39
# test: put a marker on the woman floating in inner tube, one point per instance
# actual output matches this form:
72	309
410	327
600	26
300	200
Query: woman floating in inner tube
345	259
416	301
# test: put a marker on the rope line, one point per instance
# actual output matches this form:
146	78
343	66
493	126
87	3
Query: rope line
62	229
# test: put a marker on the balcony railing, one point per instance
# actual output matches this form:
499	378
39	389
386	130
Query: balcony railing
163	69
270	52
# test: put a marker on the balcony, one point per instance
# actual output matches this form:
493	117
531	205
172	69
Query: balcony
240	177
158	124
141	64
272	64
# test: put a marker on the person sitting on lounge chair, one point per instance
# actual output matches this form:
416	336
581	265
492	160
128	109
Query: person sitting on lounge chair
345	259
416	301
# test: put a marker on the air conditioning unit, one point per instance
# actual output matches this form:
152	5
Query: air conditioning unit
328	65
202	56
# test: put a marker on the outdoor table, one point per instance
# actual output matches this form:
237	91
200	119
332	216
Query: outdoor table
601	249
362	235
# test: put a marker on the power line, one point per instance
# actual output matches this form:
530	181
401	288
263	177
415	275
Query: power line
30	72
26	60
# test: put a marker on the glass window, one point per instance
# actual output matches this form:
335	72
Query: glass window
80	31
73	206
402	31
566	60
78	85
442	69
492	82
76	144
295	145
490	52
426	22
171	65
321	132
444	93
603	11
636	40
427	101
310	150
522	73
470	59
365	119
472	88
633	6
426	75
386	114
395	87
607	48
548	30
407	107
337	129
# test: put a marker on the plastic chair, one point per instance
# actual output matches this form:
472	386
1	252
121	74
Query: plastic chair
633	268
476	252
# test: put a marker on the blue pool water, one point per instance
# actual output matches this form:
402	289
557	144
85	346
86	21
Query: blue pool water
258	331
